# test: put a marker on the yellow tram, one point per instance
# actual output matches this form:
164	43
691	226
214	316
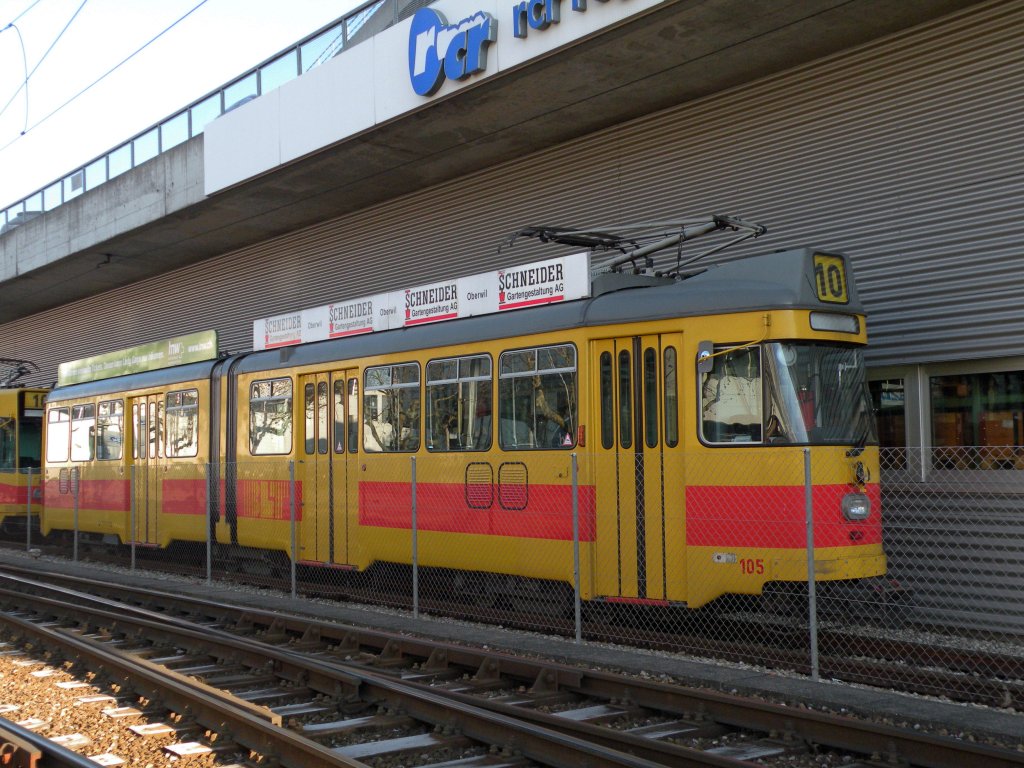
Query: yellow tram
21	418
705	410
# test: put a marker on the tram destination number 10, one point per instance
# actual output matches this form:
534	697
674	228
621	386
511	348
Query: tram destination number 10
830	278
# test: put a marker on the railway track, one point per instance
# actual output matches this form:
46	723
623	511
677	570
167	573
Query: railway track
21	746
951	669
315	693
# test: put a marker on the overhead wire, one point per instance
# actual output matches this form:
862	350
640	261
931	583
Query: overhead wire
24	84
24	59
16	18
28	75
107	74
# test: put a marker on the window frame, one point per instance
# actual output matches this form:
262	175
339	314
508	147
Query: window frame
83	412
395	439
192	408
918	410
102	425
287	413
606	385
460	381
51	442
510	424
651	381
721	352
670	382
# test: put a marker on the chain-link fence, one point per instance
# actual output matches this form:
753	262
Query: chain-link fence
954	524
707	553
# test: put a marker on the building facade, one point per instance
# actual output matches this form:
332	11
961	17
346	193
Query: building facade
901	150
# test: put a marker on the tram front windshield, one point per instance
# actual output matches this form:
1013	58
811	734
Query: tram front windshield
787	393
30	442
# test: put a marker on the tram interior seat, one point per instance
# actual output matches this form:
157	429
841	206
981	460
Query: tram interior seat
516	434
482	432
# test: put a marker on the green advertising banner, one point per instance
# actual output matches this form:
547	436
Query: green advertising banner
180	350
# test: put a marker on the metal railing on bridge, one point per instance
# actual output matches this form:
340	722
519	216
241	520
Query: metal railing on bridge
310	52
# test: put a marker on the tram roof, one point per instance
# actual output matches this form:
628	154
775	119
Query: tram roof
145	380
780	280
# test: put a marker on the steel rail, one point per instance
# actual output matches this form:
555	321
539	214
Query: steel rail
815	727
212	710
22	748
552	748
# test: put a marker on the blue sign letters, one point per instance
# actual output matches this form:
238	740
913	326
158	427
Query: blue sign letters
438	51
534	14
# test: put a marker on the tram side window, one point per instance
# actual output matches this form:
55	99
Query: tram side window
58	434
109	430
6	442
607	402
458	395
537	400
731	400
339	416
391	408
138	431
353	415
316	418
270	417
182	425
321	420
346	415
625	377
651	397
30	442
83	431
671	398
309	409
156	428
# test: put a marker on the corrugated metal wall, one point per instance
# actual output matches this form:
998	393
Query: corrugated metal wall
905	153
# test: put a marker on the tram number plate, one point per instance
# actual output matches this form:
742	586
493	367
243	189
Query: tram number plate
830	278
751	566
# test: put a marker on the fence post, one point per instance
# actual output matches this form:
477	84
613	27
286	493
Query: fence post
209	523
28	510
415	549
292	505
812	595
74	492
132	514
576	547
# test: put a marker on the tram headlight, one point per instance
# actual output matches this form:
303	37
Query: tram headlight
856	506
832	321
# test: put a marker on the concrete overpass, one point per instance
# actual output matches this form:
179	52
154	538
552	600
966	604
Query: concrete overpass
156	217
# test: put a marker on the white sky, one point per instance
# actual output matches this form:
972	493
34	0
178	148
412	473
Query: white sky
219	41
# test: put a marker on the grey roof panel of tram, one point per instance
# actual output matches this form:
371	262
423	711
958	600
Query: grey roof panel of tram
771	281
145	380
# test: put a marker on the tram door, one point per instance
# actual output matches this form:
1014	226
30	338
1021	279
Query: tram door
147	457
314	471
639	468
324	470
